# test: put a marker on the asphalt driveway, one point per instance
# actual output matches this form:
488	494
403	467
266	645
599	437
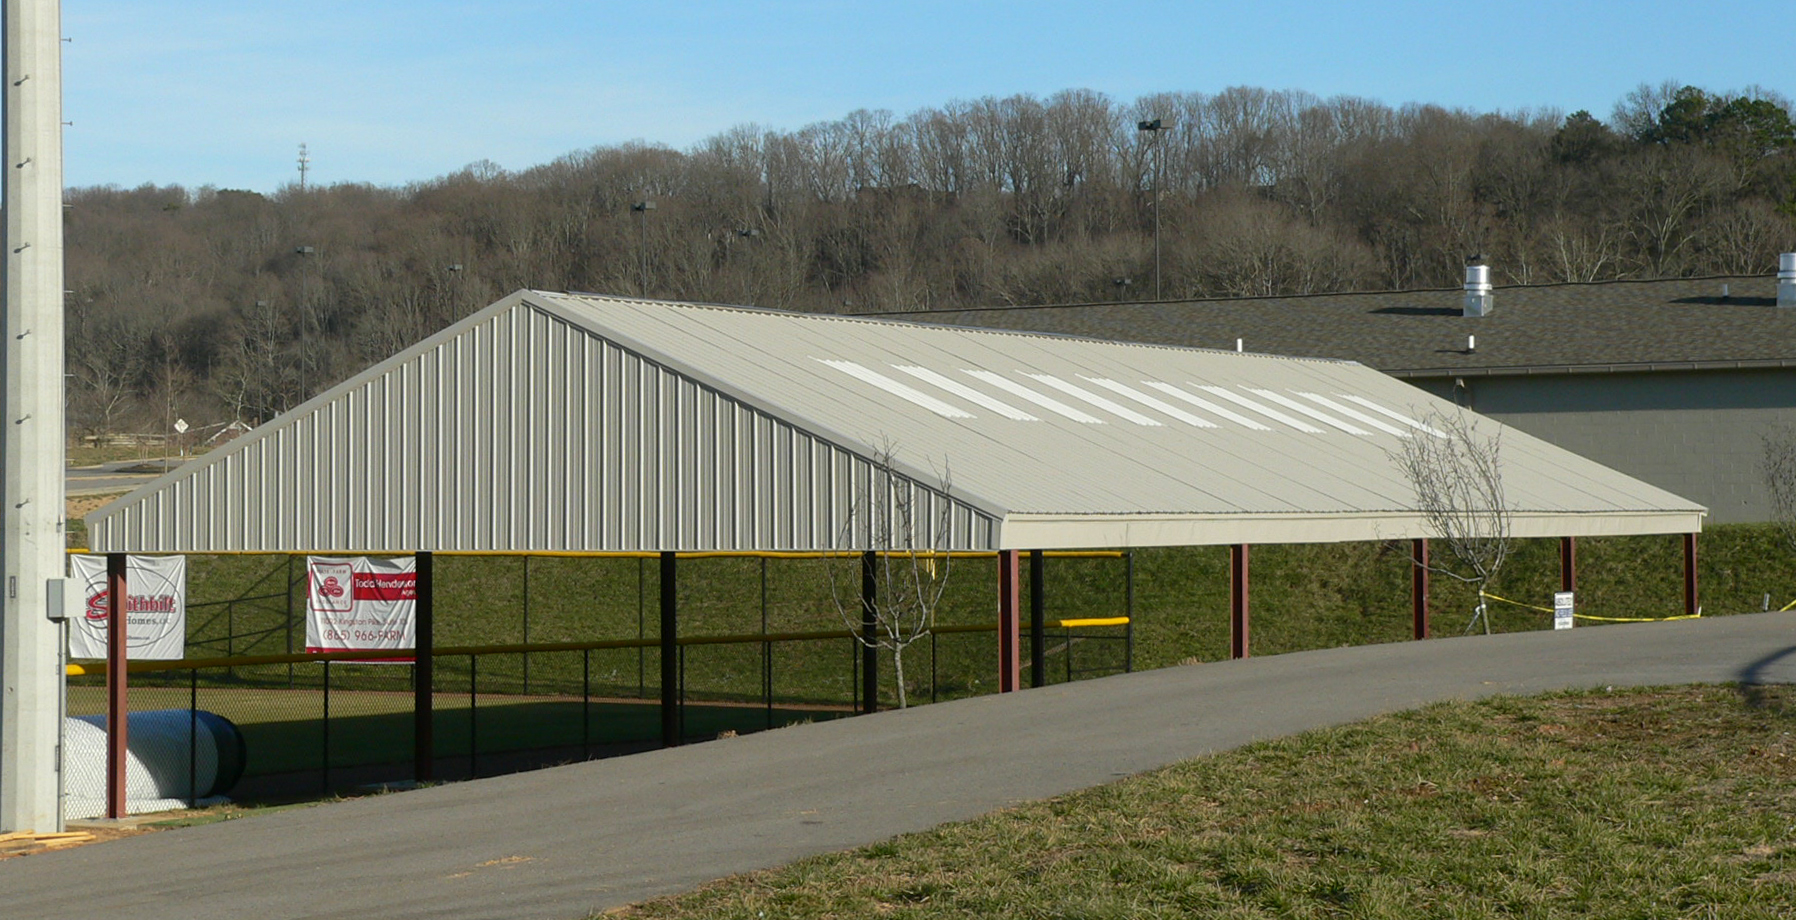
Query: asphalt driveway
564	842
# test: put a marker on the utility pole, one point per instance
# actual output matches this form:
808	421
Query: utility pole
31	439
305	317
642	209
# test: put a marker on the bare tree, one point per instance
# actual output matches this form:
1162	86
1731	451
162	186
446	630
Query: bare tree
903	528
1457	473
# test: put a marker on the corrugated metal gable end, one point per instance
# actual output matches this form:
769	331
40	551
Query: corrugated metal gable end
519	431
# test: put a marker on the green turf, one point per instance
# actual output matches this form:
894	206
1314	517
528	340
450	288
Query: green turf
1638	804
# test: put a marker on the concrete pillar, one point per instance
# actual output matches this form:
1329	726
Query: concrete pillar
31	437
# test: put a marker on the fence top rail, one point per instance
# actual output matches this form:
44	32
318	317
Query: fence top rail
88	669
647	554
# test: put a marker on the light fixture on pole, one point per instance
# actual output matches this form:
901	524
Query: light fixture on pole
642	208
1153	128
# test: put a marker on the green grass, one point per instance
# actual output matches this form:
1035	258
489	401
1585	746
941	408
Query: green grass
1640	804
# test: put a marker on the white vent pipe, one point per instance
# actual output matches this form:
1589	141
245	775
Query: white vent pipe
1786	279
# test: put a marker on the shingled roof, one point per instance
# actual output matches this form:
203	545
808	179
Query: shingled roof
1680	324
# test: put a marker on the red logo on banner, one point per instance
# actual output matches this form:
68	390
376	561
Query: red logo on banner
96	605
385	586
331	587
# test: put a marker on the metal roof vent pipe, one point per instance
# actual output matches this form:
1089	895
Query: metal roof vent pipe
1786	279
1477	287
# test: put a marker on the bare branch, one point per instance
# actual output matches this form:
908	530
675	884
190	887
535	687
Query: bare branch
1458	480
909	527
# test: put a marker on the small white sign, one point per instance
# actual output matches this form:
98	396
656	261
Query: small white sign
180	426
1562	610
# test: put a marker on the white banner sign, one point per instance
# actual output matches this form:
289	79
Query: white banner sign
359	604
155	607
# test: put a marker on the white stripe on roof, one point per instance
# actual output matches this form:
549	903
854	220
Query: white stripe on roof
1290	403
1270	413
1396	415
1095	399
1205	404
966	392
895	388
1352	413
1046	402
1151	402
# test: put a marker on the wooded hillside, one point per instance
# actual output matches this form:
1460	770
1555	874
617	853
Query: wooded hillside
214	304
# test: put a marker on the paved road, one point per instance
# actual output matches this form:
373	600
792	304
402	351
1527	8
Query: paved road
117	476
563	842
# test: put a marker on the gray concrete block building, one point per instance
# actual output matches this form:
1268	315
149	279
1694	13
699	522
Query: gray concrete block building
1675	382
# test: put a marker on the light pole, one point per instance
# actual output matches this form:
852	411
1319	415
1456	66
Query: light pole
642	208
1153	129
305	325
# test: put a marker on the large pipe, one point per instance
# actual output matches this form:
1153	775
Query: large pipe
31	438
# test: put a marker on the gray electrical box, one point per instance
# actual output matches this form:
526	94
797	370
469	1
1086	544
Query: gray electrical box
56	597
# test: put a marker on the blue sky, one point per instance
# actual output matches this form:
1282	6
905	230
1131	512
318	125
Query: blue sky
222	92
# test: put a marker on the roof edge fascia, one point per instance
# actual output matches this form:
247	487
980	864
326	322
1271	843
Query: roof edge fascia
1088	531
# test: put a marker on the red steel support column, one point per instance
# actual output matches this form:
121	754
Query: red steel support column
1010	609
1418	555
1238	601
118	714
1568	563
1691	605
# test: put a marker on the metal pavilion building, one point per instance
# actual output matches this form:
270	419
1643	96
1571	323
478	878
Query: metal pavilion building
563	422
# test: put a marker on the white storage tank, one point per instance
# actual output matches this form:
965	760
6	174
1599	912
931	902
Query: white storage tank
159	773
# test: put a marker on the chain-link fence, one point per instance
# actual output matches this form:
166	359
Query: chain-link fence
549	659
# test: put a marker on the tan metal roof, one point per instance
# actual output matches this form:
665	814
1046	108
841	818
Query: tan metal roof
579	422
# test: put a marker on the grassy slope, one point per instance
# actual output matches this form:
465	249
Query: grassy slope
1672	803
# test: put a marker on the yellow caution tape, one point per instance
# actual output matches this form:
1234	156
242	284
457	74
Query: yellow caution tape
1586	616
1681	616
1488	595
1786	606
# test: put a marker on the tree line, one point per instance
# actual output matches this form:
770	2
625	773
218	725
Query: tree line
216	304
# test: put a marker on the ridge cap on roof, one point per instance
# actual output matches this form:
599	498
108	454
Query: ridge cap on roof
881	320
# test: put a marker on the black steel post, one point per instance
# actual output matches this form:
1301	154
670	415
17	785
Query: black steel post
766	648
1038	624
324	766
586	703
869	631
473	717
193	741
290	619
670	664
1129	610
423	673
